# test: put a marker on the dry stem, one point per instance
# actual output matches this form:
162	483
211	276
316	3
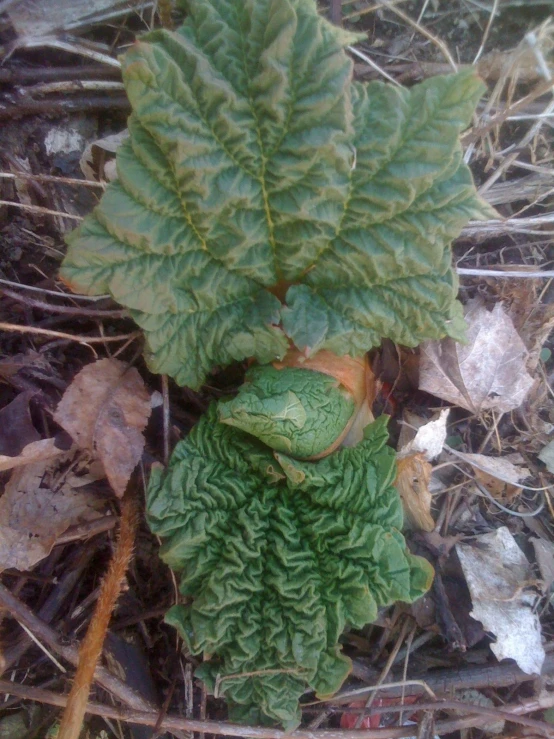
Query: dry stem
91	648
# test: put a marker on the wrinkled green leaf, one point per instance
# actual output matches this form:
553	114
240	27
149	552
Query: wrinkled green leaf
279	555
254	165
298	411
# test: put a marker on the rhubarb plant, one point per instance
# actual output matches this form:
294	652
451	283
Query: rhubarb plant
264	197
265	202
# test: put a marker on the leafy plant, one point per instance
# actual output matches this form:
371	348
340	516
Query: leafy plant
263	196
279	555
264	199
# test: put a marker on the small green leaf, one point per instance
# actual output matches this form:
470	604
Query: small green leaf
254	164
296	411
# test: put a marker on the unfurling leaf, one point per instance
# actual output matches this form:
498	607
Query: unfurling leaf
279	555
297	409
256	168
105	410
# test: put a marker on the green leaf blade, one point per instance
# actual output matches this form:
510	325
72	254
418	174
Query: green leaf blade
254	162
277	568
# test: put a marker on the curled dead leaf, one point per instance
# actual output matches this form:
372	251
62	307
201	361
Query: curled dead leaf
105	410
412	482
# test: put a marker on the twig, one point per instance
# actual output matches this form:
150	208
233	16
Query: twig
65	86
62	105
64	309
424	32
532	273
42	648
69	337
373	65
385	671
91	648
53	74
55	293
48	636
171	723
51	178
53	42
40	209
487	31
445	681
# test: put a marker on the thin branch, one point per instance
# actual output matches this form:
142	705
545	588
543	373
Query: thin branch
487	31
24	615
481	717
40	209
63	335
506	273
68	86
51	178
423	31
373	65
55	293
63	309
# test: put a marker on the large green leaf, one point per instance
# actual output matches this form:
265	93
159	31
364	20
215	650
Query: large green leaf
279	556
254	165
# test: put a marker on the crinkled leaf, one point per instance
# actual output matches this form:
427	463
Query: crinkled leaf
279	555
296	411
254	165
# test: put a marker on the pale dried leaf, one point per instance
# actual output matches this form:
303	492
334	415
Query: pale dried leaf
429	438
36	451
507	469
32	19
37	506
489	372
105	410
412	482
498	575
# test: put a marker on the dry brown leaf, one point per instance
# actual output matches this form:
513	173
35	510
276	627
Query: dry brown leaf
105	410
40	503
487	372
412	481
34	452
